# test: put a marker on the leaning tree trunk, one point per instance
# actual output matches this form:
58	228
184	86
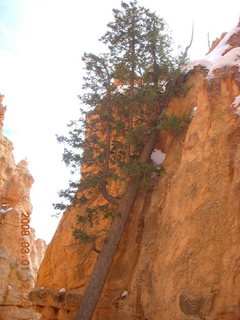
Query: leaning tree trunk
106	256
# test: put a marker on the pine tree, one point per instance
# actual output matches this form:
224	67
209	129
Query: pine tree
124	39
118	135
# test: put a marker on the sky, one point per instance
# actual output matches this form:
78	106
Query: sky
41	45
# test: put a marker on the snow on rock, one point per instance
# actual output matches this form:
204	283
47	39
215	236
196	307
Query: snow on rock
231	58
236	104
124	294
222	55
194	110
5	208
123	88
158	156
3	211
237	111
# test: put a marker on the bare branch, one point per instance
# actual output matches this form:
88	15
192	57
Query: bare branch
184	56
208	39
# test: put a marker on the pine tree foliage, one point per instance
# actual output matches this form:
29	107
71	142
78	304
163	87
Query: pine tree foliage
107	140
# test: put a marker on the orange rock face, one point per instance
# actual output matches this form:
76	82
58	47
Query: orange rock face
17	269
179	255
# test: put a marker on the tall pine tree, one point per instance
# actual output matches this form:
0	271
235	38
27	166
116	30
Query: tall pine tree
121	127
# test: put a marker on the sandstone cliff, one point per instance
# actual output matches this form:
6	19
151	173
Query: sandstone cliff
15	210
179	257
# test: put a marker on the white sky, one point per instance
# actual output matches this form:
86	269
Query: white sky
41	44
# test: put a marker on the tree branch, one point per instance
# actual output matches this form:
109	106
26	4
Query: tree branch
106	195
189	46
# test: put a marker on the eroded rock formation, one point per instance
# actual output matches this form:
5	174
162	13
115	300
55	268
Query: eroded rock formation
15	205
179	256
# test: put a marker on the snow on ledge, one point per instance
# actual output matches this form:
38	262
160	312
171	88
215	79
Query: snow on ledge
158	156
216	58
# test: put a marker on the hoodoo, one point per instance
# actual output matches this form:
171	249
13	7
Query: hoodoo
20	253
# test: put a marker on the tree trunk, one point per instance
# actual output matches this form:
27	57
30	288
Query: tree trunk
106	256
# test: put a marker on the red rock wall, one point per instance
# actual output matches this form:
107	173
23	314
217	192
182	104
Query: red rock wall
178	258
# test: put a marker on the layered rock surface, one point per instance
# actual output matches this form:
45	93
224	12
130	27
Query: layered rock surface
15	205
179	257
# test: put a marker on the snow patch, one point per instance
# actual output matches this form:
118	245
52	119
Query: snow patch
236	104
123	88
194	110
237	111
3	211
124	294
232	58
158	156
62	290
216	58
